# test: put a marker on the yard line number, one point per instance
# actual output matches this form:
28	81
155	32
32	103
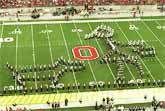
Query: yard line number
77	30
160	27
45	31
133	28
16	31
7	39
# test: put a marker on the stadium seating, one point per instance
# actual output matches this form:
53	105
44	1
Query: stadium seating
39	3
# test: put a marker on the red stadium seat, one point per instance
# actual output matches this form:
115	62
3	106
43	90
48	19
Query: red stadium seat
38	3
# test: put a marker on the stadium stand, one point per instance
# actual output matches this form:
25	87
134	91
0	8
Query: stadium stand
45	3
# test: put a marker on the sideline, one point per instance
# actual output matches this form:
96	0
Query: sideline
79	21
88	98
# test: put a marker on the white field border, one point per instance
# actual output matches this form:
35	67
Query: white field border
154	91
78	21
127	96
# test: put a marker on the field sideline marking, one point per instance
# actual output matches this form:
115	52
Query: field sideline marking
34	59
87	60
69	55
139	57
126	95
102	52
79	21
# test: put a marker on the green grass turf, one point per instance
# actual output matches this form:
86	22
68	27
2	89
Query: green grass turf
92	108
72	109
61	42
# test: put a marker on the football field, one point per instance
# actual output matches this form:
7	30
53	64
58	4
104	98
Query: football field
28	45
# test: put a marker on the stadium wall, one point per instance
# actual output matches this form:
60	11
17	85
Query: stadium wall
117	12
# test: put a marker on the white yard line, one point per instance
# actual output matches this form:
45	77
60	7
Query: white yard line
16	48
33	54
147	43
139	57
16	55
79	21
131	74
1	35
157	22
50	51
49	44
67	49
153	33
160	62
87	60
102	53
108	64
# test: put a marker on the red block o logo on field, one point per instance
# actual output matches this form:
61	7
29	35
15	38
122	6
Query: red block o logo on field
77	53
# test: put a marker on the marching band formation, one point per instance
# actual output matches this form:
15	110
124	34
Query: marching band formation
22	76
119	53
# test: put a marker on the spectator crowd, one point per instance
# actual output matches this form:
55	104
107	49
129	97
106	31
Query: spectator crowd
45	3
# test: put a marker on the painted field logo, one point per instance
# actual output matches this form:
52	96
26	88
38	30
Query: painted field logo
77	52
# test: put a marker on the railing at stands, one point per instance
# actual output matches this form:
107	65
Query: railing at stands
47	13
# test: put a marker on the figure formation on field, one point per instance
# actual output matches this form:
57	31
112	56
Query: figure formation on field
119	53
122	53
59	68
